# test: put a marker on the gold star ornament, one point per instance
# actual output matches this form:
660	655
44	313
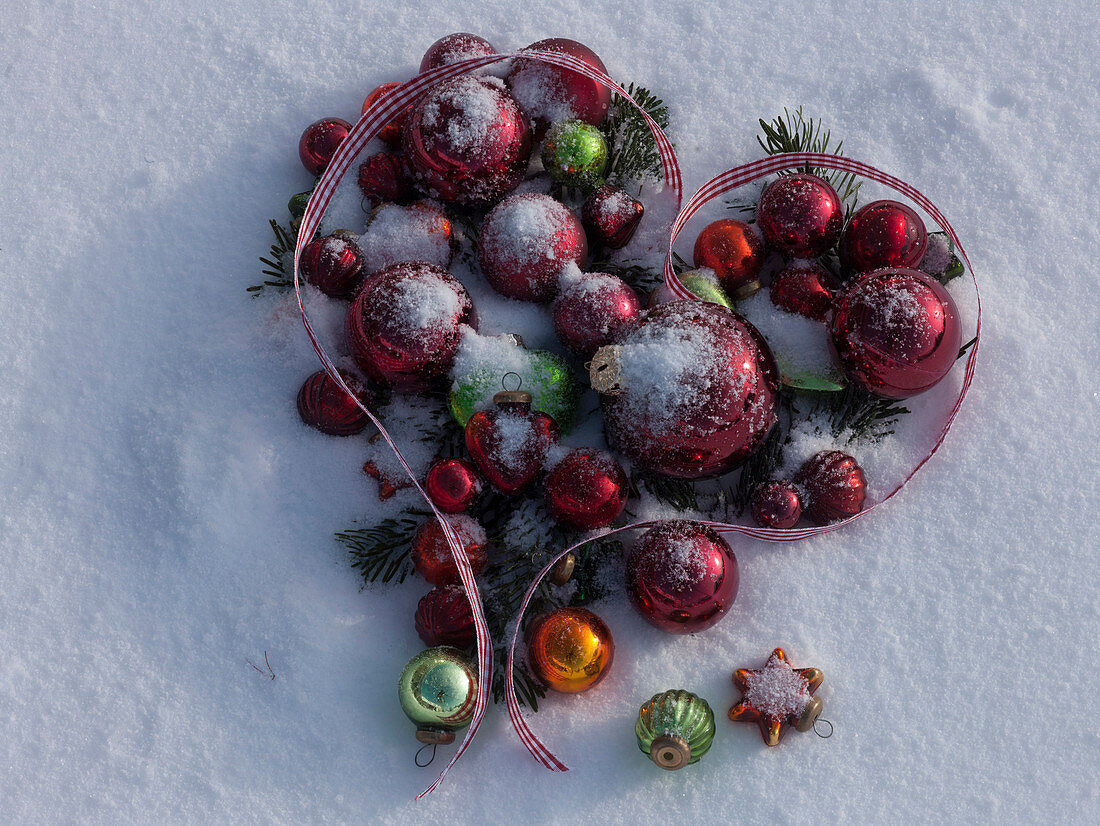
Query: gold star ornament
777	696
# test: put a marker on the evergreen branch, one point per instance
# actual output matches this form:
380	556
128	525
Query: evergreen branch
965	347
859	413
678	494
591	557
381	552
642	279
759	468
633	154
275	262
793	132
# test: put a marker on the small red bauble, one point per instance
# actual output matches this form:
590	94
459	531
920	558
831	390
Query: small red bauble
452	48
883	234
509	442
403	327
323	404
467	141
432	557
382	179
735	252
549	94
610	216
682	576
834	484
592	311
444	617
800	215
803	290
453	485
776	505
586	490
391	132
332	264
320	141
524	244
896	332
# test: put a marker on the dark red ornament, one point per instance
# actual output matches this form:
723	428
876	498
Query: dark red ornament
682	576
453	485
509	442
323	404
320	141
610	217
524	244
803	290
800	215
332	264
834	486
390	134
403	327
467	141
776	505
735	252
883	234
382	179
452	48
432	557
896	332
549	94
586	490
444	617
592	311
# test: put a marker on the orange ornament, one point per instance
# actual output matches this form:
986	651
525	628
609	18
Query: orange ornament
735	252
777	695
570	649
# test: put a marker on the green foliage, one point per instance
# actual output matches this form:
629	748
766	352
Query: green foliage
793	132
275	261
633	154
859	413
381	552
678	494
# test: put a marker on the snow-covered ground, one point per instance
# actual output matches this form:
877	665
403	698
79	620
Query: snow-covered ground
166	517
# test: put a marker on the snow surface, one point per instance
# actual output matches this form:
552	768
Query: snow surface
166	518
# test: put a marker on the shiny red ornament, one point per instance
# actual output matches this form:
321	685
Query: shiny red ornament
800	215
777	696
467	141
803	290
323	404
610	217
586	490
549	94
682	576
776	505
896	332
453	485
403	327
452	48
524	244
735	252
333	264
509	442
320	141
390	134
382	179
432	557
883	234
834	484
592	311
444	617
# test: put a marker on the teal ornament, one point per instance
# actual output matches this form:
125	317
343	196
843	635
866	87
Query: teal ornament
675	729
438	691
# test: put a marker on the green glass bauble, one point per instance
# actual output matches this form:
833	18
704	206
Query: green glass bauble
675	728
297	204
575	154
438	691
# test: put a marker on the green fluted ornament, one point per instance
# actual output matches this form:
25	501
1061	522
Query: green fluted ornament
575	154
438	691
675	728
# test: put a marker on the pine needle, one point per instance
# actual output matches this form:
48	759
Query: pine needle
633	154
793	132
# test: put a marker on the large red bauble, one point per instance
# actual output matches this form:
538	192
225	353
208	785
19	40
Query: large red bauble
391	132
332	264
610	216
896	332
509	442
883	234
432	557
467	141
586	490
834	484
403	327
803	290
452	48
549	94
735	252
592	311
698	390
444	617
776	505
323	404
453	485
524	244
320	141
682	576
800	215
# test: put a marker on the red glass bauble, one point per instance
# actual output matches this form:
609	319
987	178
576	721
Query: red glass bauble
444	617
896	332
610	217
592	311
467	141
586	490
883	234
800	215
509	442
391	132
696	392
682	576
320	141
776	505
431	555
323	404
803	290
452	48
735	252
382	179
834	486
550	94
403	327
524	244
332	264
453	485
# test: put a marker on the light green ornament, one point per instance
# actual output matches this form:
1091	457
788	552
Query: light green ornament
830	380
575	154
703	284
438	691
675	728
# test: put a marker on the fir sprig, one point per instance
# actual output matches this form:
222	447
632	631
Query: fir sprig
633	154
794	132
276	262
678	494
859	413
381	552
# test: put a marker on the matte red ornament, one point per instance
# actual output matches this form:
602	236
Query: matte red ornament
323	404
776	505
896	332
682	576
382	179
524	244
332	264
403	327
467	141
834	484
592	311
610	217
883	234
453	484
452	48
444	617
390	134
800	215
777	696
803	290
586	490
432	557
509	442
735	252
320	141
549	94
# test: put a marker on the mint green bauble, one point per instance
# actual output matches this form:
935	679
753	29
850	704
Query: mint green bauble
546	376
438	691
575	154
675	728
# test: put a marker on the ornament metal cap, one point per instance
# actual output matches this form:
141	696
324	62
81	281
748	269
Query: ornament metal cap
605	370
434	737
515	395
563	570
747	290
670	751
810	714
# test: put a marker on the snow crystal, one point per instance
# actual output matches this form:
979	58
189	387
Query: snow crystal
469	107
800	345
420	232
777	690
516	443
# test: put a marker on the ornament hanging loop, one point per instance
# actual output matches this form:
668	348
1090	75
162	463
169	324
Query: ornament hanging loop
416	757
518	381
821	722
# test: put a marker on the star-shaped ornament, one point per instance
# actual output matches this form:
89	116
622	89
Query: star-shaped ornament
777	695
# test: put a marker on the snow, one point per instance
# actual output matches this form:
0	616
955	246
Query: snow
776	690
167	517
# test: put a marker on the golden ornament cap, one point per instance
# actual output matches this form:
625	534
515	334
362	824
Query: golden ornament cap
670	751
